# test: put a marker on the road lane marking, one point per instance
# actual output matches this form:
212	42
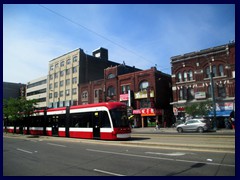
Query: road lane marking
24	151
161	158
53	144
167	154
107	172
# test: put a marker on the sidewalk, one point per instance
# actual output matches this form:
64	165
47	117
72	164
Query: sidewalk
152	130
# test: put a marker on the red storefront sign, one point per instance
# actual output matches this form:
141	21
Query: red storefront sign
148	112
137	111
180	109
123	97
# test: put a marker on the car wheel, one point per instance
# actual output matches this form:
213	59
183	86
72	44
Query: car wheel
200	130
180	130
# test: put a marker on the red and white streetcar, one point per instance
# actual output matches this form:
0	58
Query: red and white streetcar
94	121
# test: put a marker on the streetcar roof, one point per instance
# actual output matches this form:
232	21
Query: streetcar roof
57	109
109	105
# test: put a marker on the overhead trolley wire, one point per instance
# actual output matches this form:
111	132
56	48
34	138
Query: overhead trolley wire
96	33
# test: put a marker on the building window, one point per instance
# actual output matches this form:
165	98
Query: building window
110	76
61	83
184	93
124	89
55	75
74	91
56	65
51	67
61	93
221	90
75	59
67	92
74	69
221	72
190	75
190	93
55	84
214	70
143	85
185	76
50	95
62	64
96	93
74	80
180	94
67	71
179	77
207	72
62	73
50	76
68	61
67	82
50	86
111	91
55	94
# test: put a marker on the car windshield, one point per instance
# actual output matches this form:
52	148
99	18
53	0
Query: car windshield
119	118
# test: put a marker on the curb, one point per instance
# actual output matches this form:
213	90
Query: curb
191	147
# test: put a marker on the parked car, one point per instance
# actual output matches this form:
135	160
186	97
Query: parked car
197	125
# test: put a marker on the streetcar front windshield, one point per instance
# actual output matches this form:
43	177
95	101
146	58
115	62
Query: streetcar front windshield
119	118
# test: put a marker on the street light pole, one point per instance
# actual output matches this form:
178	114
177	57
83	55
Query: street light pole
213	96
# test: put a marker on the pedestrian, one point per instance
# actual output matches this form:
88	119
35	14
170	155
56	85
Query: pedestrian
157	125
233	123
226	123
232	119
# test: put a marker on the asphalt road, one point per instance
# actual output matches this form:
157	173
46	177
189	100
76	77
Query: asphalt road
64	157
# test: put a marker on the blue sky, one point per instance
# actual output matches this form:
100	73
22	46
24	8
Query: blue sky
141	35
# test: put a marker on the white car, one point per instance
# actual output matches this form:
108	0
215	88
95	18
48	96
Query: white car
197	125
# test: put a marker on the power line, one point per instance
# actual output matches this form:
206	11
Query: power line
94	32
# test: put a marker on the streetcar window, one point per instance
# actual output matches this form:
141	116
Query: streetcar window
81	120
36	121
62	120
119	118
105	120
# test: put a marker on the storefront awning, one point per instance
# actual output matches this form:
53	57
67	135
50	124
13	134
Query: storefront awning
224	113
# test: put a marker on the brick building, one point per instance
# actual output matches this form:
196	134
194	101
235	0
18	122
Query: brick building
191	80
149	93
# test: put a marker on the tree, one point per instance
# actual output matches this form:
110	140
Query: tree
17	109
198	109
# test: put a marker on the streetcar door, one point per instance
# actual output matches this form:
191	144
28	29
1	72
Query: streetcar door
55	126
96	125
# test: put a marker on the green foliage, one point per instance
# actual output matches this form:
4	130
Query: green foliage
198	109
14	109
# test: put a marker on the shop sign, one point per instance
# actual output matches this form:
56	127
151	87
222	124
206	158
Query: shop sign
123	97
180	109
137	111
150	112
200	95
224	106
143	94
